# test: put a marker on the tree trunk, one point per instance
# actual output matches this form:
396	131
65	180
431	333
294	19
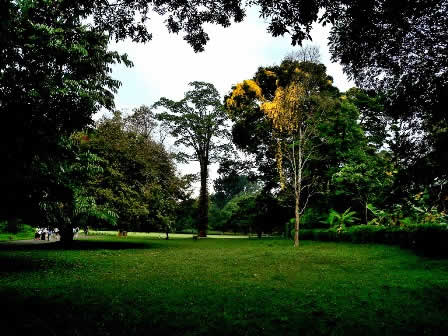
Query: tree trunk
297	186
297	213
13	224
203	202
66	234
365	213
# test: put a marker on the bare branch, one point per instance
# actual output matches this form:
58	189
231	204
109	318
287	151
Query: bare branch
308	53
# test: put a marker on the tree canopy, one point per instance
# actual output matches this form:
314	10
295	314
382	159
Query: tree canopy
54	75
374	146
198	122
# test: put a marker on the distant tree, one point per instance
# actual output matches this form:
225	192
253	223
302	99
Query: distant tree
186	214
254	212
308	53
234	178
198	122
142	121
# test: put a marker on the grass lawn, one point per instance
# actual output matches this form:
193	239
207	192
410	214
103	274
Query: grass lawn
163	235
141	286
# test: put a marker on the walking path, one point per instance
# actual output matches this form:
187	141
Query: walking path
27	242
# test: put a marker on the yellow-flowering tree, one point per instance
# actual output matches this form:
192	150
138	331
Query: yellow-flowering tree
295	101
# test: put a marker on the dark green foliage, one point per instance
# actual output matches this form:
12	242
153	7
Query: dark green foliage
67	201
186	215
399	49
22	232
427	239
250	212
54	75
313	218
233	179
372	117
139	176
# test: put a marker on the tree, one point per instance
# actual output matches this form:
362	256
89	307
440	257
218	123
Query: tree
309	53
397	48
54	75
197	122
139	179
367	178
66	202
295	103
234	178
372	115
142	121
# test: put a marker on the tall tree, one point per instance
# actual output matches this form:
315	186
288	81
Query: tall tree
398	47
54	75
295	103
198	122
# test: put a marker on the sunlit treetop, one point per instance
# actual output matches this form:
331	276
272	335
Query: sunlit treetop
244	89
279	92
285	109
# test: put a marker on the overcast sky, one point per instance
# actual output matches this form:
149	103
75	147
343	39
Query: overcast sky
164	66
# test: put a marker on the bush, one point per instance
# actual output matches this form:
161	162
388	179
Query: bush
312	218
26	232
429	239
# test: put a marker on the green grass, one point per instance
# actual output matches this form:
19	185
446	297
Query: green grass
27	232
162	235
139	286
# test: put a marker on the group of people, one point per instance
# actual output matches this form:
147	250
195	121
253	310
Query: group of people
46	234
53	234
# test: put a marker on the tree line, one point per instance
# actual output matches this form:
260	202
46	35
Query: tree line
310	150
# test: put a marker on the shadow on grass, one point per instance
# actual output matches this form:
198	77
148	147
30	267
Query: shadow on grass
13	263
217	311
16	264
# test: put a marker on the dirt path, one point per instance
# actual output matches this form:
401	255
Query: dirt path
28	242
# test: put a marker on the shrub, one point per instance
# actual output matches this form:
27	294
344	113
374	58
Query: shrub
312	218
341	220
429	239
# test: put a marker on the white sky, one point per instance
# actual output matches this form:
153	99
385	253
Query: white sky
164	66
